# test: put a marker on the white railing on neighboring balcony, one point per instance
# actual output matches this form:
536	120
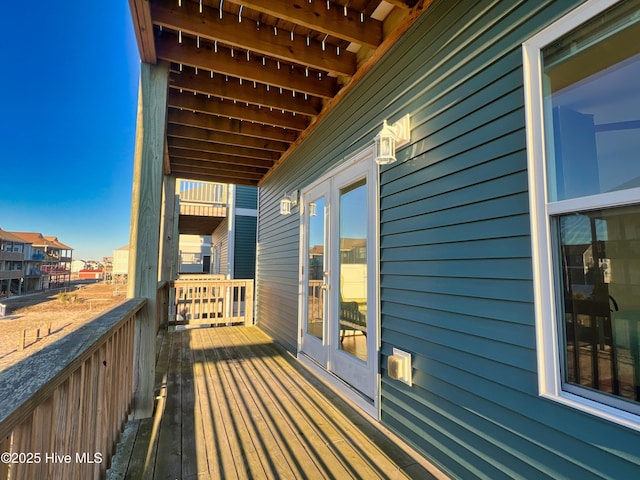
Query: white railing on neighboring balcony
203	192
209	301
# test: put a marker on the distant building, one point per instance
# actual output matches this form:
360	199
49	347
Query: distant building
120	264
12	263
56	258
77	265
30	261
217	231
90	274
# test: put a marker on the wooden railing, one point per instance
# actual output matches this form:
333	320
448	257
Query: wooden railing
203	192
162	305
62	409
212	302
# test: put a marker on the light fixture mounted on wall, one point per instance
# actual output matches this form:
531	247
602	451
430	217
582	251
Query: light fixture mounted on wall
391	137
288	201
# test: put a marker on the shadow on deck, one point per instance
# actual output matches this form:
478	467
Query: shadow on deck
232	404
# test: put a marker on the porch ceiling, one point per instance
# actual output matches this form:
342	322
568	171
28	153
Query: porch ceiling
249	79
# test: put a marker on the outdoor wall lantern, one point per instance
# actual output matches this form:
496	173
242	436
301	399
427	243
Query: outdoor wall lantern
287	202
312	209
390	137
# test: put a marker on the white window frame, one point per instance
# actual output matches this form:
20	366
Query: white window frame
544	270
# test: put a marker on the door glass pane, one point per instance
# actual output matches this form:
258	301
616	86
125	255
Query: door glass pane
316	266
353	270
601	280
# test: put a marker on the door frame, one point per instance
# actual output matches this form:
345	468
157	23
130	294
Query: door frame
371	406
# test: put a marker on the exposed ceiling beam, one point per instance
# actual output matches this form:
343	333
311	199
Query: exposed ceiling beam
229	109
216	158
201	176
222	149
219	124
194	133
405	5
208	25
211	168
296	79
316	16
254	93
416	12
141	15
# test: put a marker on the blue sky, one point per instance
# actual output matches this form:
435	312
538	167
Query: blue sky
68	97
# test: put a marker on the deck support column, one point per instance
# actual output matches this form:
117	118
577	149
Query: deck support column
169	220
144	243
169	236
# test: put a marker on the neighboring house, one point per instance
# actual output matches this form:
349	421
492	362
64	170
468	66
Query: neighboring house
194	253
44	262
230	249
12	263
120	264
234	240
77	265
56	258
90	274
459	261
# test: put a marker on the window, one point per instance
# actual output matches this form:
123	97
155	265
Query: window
583	142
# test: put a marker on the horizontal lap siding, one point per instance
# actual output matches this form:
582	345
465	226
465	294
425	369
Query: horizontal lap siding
245	247
456	278
246	197
220	237
455	255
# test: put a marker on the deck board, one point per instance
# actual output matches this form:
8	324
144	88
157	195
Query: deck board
231	404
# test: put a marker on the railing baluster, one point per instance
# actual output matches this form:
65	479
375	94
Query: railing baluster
203	300
76	407
22	444
5	446
42	434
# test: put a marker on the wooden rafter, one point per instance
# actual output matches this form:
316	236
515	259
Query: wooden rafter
231	150
235	64
245	35
250	113
219	124
315	16
141	14
212	168
249	92
223	138
226	160
249	80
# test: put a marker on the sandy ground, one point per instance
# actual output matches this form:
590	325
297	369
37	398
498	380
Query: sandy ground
33	312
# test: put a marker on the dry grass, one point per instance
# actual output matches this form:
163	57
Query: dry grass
65	313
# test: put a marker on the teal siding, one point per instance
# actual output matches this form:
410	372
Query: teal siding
245	247
246	197
455	254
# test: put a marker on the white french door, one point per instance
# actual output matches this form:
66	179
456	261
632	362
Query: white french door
315	273
339	328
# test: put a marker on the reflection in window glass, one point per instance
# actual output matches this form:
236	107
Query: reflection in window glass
316	249
353	270
592	106
600	265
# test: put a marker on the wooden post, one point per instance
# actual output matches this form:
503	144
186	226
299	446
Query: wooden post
169	218
144	245
169	238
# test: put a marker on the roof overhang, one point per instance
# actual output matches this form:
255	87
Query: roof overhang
249	80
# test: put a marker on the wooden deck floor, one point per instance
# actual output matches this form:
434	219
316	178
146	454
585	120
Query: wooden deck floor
234	405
